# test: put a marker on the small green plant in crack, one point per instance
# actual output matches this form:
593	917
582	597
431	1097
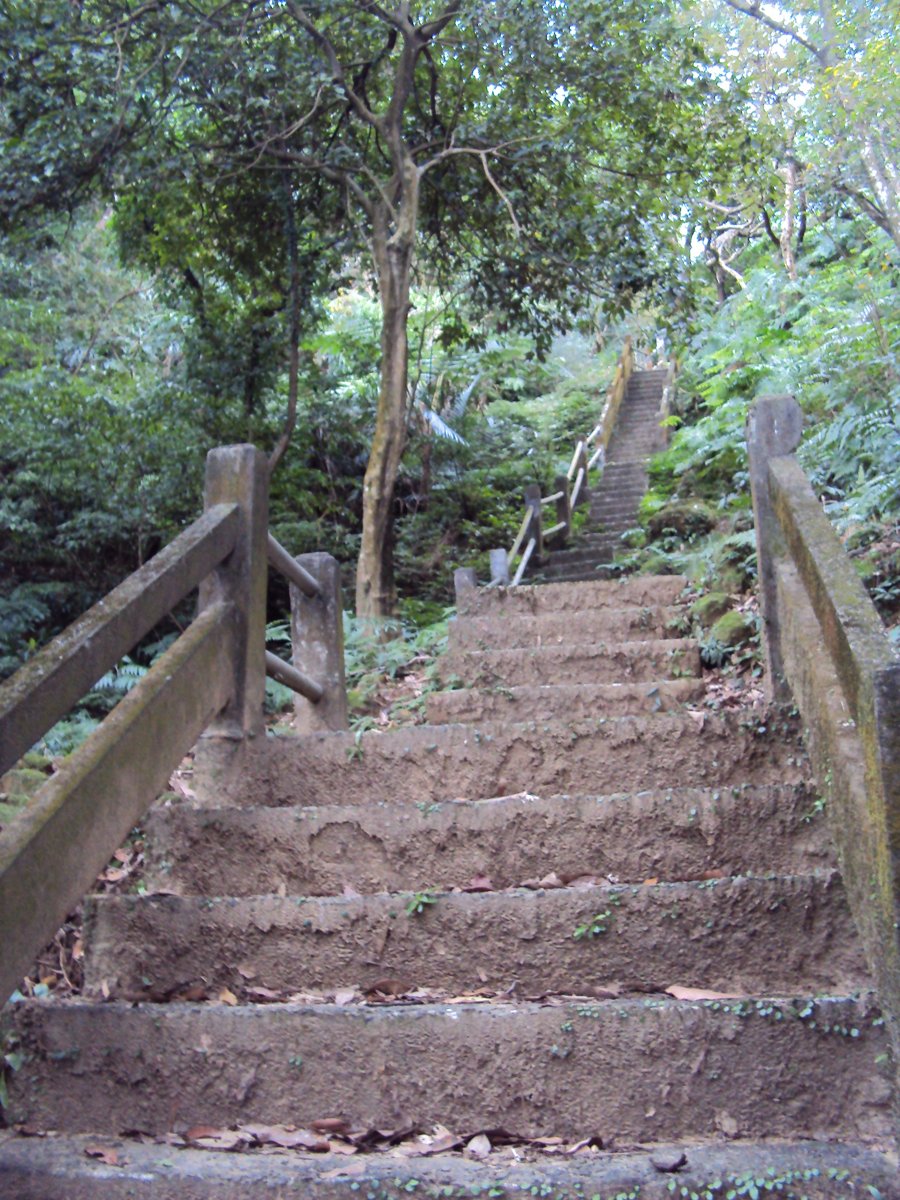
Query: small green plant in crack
419	902
13	1060
355	752
599	923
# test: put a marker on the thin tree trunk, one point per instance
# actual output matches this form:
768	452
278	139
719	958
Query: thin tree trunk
787	221
375	593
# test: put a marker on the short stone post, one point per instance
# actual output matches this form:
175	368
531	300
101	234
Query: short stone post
465	581
317	646
581	464
535	529
499	568
240	475
774	425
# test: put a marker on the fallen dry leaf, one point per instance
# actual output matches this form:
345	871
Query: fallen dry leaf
105	1154
216	1139
349	892
226	996
652	880
551	881
686	993
479	883
344	996
479	1146
388	987
330	1125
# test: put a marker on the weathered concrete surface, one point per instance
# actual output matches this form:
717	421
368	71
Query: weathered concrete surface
549	702
671	834
636	590
858	818
544	628
58	1168
53	850
633	1070
451	762
594	662
740	935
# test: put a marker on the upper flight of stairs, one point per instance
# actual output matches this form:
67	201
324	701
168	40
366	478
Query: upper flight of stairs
535	875
614	501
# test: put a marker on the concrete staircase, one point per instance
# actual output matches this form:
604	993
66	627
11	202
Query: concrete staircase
614	501
574	914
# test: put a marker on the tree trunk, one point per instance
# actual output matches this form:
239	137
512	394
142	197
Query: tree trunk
375	594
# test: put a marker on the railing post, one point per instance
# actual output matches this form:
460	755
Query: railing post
239	475
773	430
317	639
465	580
499	568
563	508
535	530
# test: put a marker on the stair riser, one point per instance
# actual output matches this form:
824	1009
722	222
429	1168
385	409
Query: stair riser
634	591
615	625
456	762
592	662
564	702
626	1070
317	851
742	935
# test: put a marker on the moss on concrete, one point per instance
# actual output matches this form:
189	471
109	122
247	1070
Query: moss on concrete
733	629
707	610
687	518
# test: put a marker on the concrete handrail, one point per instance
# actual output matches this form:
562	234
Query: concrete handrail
211	681
569	490
827	650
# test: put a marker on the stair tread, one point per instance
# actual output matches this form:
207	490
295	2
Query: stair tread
58	1167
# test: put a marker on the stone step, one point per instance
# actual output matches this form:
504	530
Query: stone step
572	575
438	763
578	555
637	590
56	1167
739	935
575	662
633	1070
670	834
542	629
558	701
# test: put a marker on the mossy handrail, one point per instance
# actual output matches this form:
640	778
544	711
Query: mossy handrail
828	652
211	679
569	490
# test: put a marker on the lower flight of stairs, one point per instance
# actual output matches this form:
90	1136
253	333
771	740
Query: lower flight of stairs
579	913
613	503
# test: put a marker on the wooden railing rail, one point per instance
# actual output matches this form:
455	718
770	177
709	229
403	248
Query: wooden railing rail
827	650
570	489
210	681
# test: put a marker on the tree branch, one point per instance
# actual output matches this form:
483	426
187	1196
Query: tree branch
360	107
755	11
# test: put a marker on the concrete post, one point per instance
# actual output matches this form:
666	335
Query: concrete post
465	580
317	639
499	567
773	430
536	531
563	508
239	475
